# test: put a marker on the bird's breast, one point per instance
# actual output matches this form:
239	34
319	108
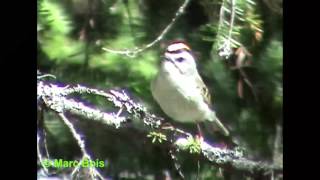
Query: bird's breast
178	97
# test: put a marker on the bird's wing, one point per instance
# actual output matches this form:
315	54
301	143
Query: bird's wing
207	98
204	90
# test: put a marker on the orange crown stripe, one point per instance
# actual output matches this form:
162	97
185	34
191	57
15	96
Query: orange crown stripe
177	46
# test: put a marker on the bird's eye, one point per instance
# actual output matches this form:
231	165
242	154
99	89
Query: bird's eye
180	59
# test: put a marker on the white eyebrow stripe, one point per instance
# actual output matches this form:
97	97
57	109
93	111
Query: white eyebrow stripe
177	46
177	55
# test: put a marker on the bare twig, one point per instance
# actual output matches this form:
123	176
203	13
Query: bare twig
133	52
85	155
247	81
46	75
41	140
40	157
177	165
74	133
277	150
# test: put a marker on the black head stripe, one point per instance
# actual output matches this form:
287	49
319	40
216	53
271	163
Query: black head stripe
178	51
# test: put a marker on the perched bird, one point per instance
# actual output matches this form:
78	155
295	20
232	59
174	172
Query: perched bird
179	89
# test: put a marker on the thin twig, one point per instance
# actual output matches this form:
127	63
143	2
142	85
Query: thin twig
46	75
40	156
198	169
247	81
81	144
177	165
133	52
74	133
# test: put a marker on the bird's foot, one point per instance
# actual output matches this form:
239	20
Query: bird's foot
199	138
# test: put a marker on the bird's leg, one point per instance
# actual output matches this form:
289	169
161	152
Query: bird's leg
200	136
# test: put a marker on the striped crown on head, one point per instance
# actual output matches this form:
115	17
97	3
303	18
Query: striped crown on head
177	47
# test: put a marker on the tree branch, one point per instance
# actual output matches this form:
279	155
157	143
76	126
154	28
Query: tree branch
133	52
55	98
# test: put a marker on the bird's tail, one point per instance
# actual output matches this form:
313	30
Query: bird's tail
217	121
222	127
222	132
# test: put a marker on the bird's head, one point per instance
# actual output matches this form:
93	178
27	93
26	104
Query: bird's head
178	58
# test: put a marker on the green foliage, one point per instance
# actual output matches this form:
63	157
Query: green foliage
191	144
52	17
194	146
157	137
237	19
54	28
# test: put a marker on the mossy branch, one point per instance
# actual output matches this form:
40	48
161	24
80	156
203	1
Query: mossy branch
56	98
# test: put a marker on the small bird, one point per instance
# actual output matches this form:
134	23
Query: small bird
179	89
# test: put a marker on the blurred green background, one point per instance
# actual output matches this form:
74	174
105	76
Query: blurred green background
72	33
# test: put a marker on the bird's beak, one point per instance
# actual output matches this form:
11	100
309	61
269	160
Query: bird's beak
166	57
